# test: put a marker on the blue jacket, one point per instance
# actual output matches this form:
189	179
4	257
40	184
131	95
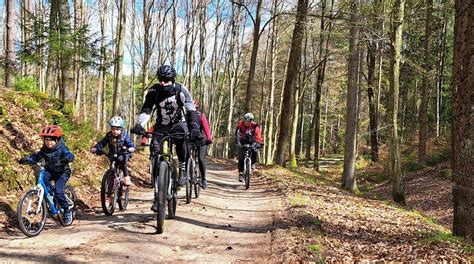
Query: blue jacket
114	143
57	159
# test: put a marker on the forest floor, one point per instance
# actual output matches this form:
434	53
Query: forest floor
326	223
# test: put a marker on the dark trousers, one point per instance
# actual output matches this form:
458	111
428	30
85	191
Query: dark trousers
241	154
122	163
201	149
60	181
181	150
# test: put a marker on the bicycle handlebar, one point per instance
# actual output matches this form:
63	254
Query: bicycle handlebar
123	150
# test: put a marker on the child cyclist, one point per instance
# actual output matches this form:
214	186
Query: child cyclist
117	139
57	158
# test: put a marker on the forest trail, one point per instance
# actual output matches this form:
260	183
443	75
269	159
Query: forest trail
226	223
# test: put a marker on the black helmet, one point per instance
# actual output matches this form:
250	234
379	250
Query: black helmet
166	73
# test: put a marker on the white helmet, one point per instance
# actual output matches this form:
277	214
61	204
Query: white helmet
248	117
117	121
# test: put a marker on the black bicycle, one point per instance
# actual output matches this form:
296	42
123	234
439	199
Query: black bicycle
164	176
194	174
113	191
247	149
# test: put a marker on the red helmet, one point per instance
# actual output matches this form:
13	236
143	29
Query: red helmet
196	103
51	131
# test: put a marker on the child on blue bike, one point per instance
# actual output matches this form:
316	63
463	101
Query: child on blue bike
57	158
117	139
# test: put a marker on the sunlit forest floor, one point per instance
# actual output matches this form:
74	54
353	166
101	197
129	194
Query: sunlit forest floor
324	223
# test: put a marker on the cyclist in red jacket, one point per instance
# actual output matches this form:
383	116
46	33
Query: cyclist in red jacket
204	139
248	132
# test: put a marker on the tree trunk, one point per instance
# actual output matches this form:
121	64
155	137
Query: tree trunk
202	56
440	73
294	125
147	39
422	137
233	66
373	48
350	141
100	101
274	52
173	32
323	56
10	45
463	119
398	192
253	59
295	62
119	50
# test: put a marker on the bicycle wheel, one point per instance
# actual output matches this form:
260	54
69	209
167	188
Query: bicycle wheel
172	203
197	180
189	187
161	184
123	193
248	167
71	198
31	214
107	193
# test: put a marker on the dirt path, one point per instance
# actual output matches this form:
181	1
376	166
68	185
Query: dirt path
226	224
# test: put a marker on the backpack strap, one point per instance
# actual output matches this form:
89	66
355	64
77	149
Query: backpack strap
178	94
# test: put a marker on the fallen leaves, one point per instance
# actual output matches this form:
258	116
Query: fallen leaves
352	228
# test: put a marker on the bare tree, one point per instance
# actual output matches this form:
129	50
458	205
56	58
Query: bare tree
423	116
119	50
291	75
10	45
398	192
100	99
350	138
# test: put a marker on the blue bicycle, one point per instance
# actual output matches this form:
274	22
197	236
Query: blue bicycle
38	202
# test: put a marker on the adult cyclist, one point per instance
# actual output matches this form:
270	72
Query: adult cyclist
173	103
248	132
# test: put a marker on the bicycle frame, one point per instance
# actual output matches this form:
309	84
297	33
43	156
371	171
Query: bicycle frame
44	193
247	148
165	154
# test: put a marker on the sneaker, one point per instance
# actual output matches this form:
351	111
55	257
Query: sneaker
67	217
183	178
241	177
127	181
154	206
204	184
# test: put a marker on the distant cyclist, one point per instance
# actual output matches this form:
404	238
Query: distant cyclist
248	132
204	139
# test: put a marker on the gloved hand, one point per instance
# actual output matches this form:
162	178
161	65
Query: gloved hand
194	134
131	149
208	142
138	130
24	160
